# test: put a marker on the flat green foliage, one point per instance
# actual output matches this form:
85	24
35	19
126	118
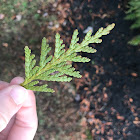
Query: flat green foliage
133	14
56	68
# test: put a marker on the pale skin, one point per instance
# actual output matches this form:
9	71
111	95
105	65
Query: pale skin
18	117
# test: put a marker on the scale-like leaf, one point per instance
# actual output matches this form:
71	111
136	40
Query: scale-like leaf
45	49
55	68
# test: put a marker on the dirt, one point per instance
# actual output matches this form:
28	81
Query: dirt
111	85
106	99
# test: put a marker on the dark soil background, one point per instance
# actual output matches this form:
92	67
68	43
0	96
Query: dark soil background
112	84
106	99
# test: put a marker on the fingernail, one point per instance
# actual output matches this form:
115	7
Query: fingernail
2	125
17	80
3	122
18	94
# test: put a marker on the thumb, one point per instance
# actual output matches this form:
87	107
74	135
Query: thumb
11	100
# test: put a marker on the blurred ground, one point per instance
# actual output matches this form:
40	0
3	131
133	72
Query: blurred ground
104	103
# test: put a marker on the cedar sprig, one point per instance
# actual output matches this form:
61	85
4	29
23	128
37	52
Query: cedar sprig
56	68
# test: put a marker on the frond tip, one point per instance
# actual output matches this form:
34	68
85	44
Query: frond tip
56	68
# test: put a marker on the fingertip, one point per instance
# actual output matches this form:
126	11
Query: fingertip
17	81
18	94
31	100
11	100
3	84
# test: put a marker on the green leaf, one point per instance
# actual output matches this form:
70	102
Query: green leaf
55	68
135	41
80	59
42	88
31	84
133	13
69	70
58	46
45	49
74	40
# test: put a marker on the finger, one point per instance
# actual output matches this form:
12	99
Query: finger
25	125
17	81
5	132
3	84
11	100
14	81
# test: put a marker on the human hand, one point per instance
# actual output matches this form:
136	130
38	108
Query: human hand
18	117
